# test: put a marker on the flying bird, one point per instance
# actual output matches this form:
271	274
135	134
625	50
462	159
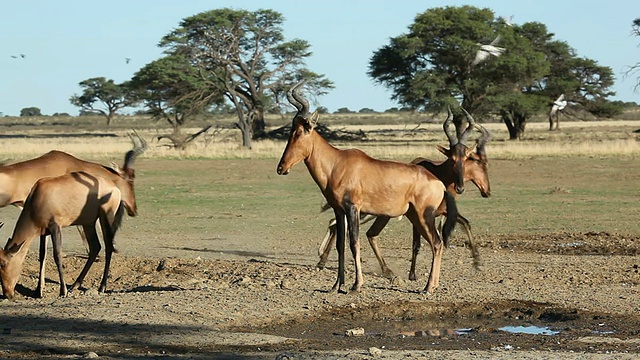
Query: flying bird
556	107
486	51
127	60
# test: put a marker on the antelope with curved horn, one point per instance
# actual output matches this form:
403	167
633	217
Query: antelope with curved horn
475	170
16	180
77	198
353	182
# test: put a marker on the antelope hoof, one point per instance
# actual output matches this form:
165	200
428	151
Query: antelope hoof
356	288
63	291
413	277
387	273
39	293
321	264
396	281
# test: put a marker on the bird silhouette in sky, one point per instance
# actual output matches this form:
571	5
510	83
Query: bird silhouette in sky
21	56
126	60
486	51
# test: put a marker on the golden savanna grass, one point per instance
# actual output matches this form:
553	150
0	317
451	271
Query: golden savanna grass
384	139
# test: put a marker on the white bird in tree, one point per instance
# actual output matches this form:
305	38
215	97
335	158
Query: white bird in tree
486	51
556	108
507	20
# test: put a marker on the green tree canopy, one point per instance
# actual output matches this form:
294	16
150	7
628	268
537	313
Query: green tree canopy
102	96
244	55
633	69
172	89
30	111
432	66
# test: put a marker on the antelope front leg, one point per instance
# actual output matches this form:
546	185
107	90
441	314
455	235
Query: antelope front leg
372	236
56	239
94	249
43	257
340	229
328	241
475	253
353	223
415	249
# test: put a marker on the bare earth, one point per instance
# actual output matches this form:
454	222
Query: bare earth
583	285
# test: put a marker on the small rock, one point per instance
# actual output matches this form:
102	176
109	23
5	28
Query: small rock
161	265
355	332
91	355
285	285
92	292
374	351
433	332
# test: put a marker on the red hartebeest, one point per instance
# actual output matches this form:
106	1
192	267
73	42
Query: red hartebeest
475	170
353	182
16	180
77	198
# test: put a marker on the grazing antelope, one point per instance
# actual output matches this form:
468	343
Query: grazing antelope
475	170
16	180
353	182
77	198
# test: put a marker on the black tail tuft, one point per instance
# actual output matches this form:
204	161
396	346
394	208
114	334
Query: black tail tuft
452	216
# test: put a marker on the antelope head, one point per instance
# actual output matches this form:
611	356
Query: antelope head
128	173
476	167
300	141
458	152
11	258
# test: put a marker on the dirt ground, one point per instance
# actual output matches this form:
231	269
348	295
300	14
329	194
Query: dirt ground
580	289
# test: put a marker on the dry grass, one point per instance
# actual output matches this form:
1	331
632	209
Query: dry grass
387	138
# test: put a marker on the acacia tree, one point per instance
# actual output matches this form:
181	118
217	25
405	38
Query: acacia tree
102	96
173	90
244	56
432	65
633	69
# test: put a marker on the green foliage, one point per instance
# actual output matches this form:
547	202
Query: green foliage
103	96
244	55
172	89
30	111
343	110
432	65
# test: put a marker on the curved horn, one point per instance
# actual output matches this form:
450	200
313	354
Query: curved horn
139	146
467	131
451	134
482	140
294	97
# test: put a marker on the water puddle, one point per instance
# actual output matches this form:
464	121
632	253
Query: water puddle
531	329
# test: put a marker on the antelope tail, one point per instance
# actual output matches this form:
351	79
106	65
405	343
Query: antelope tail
452	217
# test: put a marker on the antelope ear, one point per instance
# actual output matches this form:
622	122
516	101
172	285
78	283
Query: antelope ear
13	249
471	149
443	150
313	119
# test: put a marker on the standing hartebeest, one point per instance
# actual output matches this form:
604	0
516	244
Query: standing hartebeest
77	198
353	182
475	170
16	180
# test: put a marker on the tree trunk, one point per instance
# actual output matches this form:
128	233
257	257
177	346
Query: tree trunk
515	125
257	123
245	128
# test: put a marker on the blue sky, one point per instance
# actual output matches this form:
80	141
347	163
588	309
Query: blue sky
66	42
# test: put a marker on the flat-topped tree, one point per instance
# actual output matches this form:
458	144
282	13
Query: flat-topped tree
244	55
